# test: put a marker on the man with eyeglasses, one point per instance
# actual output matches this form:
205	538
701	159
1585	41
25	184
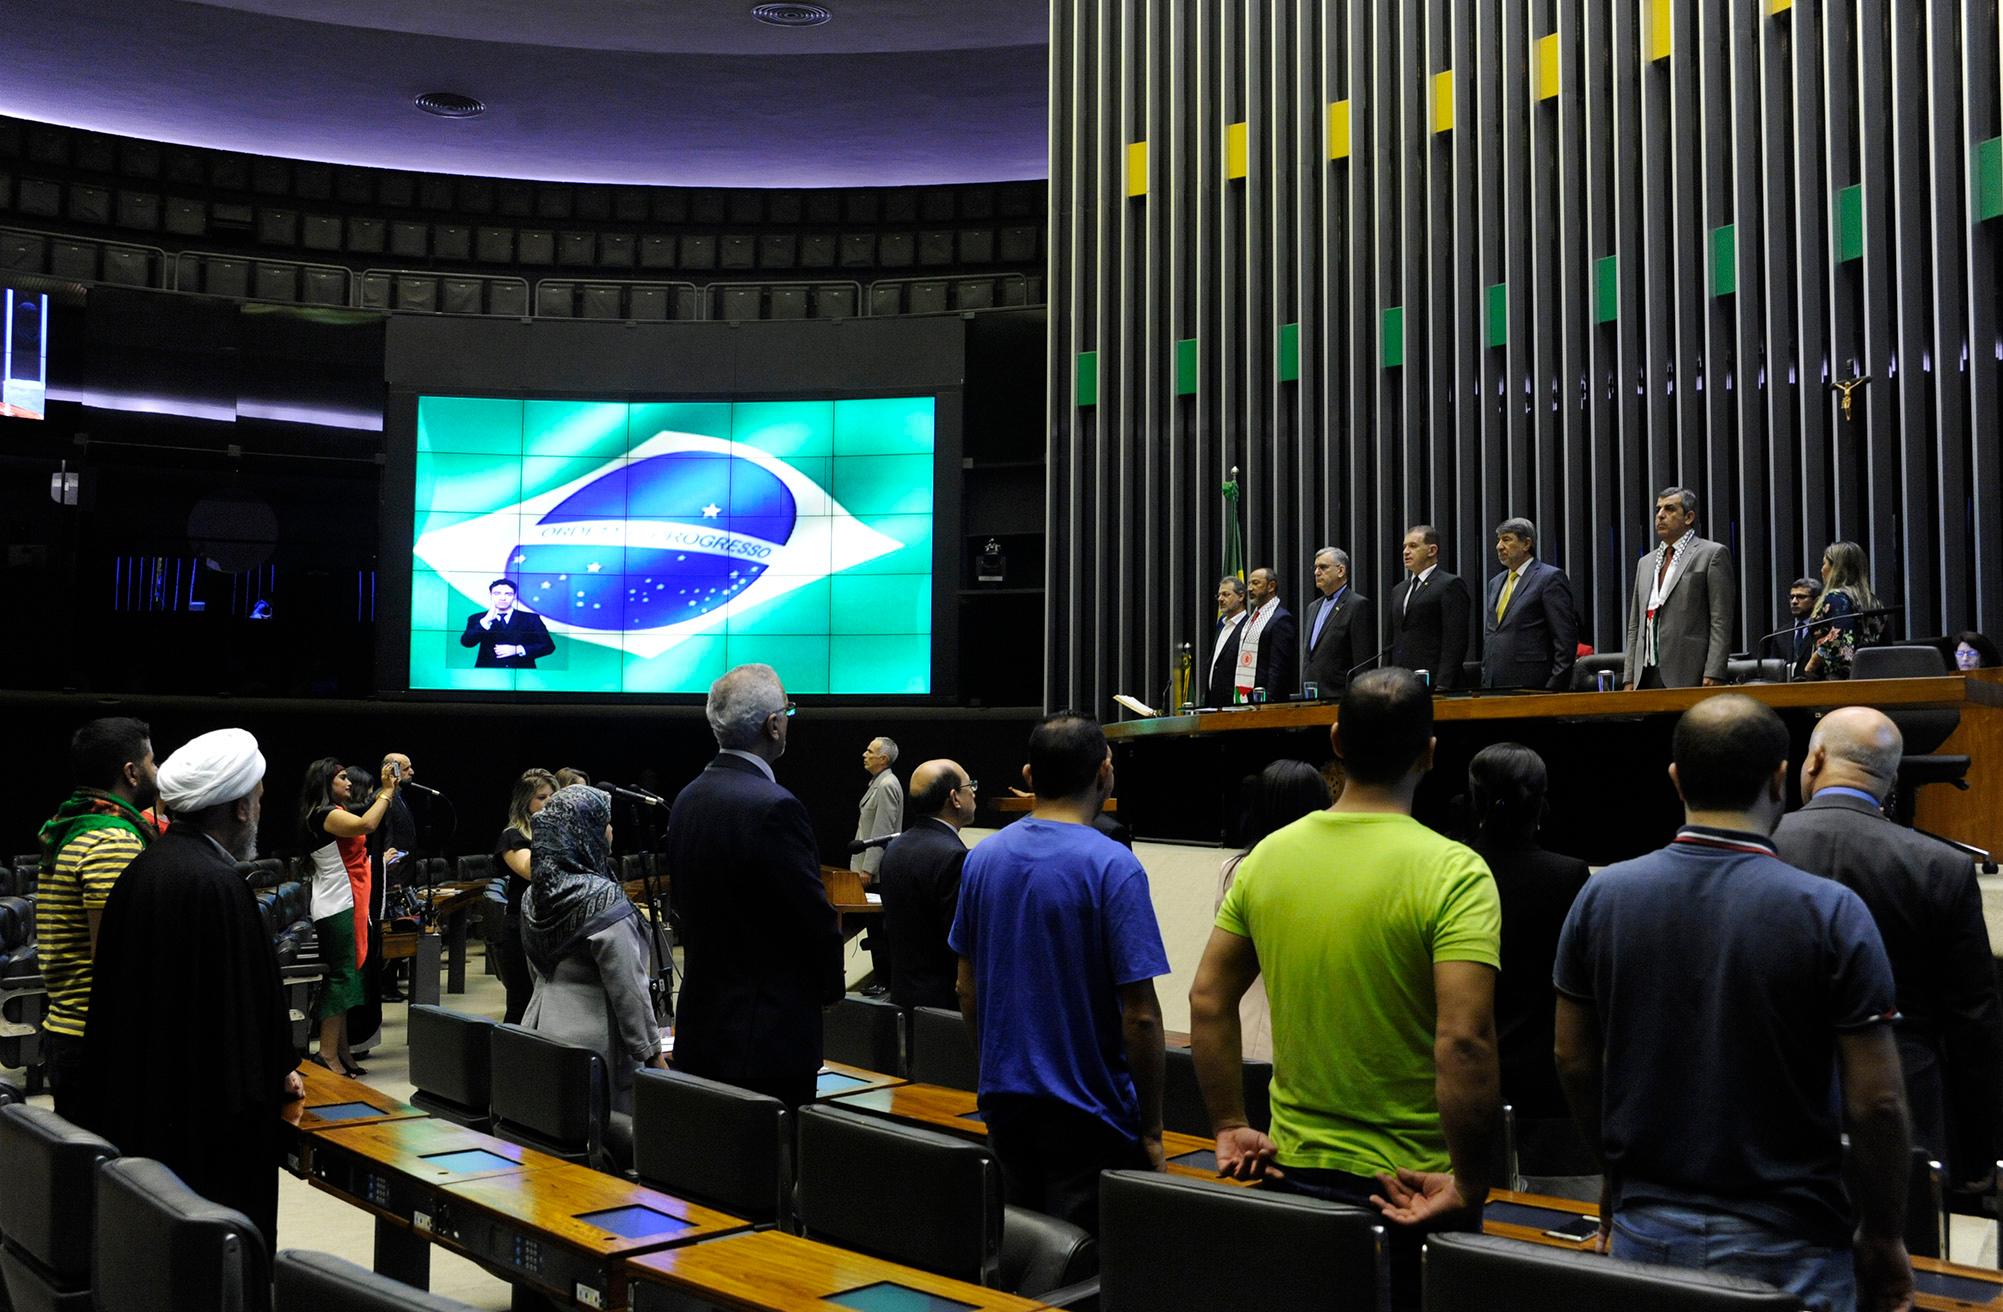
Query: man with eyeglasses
762	951
920	883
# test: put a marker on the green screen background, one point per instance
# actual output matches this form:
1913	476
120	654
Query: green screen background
860	630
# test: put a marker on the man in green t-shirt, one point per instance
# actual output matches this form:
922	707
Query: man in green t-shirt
1379	942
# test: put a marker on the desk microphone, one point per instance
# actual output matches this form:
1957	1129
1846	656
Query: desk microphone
422	788
1358	668
640	795
1830	621
864	844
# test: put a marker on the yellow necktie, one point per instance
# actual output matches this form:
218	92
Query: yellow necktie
1508	587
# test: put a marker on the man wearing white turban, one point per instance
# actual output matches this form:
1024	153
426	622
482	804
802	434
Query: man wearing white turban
184	966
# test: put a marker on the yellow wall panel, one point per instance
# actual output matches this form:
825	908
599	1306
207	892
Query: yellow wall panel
1234	151
1338	130
1661	36
1137	168
1443	101
1548	71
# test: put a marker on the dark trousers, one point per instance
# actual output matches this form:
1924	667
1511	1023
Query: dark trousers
1051	1154
1650	677
1404	1241
63	1058
511	963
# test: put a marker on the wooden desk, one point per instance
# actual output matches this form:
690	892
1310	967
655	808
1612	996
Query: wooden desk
848	896
424	950
394	1170
957	1111
1175	770
1942	1286
333	1100
548	1228
769	1271
839	1086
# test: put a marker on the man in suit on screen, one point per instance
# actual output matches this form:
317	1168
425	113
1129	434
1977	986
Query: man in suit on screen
1679	622
1429	612
508	634
1530	626
1340	633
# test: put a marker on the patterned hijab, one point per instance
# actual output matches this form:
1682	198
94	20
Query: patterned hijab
570	895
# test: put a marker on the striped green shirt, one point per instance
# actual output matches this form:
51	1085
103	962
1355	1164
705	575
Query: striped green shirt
81	883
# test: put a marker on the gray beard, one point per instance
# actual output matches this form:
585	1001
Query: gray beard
243	843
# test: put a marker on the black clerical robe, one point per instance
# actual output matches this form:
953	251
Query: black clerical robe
189	1041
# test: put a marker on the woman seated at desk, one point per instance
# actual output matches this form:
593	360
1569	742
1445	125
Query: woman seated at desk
586	949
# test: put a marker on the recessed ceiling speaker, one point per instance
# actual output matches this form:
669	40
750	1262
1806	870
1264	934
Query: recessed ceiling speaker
450	104
791	15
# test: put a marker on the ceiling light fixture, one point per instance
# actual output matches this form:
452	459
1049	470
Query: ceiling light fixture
792	14
450	104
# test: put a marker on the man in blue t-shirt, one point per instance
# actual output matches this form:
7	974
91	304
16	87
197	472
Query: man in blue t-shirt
1722	1018
1058	955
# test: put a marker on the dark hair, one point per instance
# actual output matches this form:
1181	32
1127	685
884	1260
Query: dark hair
362	788
1065	752
1506	783
1427	534
1980	645
1726	749
1280	794
510	584
1809	581
318	791
1383	725
927	801
566	776
100	751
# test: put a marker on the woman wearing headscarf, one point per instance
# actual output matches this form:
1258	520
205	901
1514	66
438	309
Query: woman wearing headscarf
586	951
337	843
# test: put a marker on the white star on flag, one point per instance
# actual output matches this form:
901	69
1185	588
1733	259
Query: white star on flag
592	568
711	511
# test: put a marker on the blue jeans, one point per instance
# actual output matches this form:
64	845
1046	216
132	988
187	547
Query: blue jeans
1670	1235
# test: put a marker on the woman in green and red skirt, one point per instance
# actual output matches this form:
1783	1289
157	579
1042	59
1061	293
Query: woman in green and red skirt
337	843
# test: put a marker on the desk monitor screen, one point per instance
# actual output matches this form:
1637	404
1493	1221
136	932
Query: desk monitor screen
1943	1285
1200	1159
344	1111
646	547
1534	1218
635	1222
468	1160
980	1116
887	1296
829	1082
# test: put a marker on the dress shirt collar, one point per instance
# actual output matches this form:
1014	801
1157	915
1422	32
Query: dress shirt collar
1834	791
1424	574
764	766
1727	840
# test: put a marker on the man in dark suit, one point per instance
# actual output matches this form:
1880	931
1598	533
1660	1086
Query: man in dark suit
920	883
1923	896
1429	612
762	950
1531	626
1269	640
509	636
1340	633
1802	594
1217	690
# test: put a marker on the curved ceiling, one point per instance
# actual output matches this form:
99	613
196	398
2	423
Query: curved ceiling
669	92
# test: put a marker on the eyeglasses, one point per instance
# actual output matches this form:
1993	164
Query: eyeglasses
971	786
789	710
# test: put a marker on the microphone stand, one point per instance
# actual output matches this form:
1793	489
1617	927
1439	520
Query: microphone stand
1826	622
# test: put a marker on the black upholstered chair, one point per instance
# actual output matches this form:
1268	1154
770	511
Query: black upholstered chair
450	1065
1159	1237
942	1049
321	1282
1586	670
48	1209
1765	669
865	1032
1182	1106
925	1199
1923	728
552	1097
713	1144
160	1245
9	1094
1464	1271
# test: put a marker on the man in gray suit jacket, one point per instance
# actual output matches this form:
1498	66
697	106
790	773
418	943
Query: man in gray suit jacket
1529	625
1679	623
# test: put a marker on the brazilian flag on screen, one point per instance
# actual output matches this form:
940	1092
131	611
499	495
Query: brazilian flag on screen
661	543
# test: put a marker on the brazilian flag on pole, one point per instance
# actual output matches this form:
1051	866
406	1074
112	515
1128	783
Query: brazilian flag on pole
1234	529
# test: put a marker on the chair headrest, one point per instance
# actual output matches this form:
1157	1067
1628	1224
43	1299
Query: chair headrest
926	1199
713	1144
48	1206
160	1244
558	1090
327	1283
450	1055
1495	1272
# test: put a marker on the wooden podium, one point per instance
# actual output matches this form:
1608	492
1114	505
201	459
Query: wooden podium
1608	755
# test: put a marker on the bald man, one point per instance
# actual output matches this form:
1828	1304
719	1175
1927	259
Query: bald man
920	884
1923	896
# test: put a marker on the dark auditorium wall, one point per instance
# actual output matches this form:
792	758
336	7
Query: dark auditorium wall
1455	260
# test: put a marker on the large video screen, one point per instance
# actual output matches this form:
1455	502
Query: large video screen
24	354
646	547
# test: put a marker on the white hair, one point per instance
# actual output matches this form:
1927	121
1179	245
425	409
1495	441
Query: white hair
740	702
887	747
